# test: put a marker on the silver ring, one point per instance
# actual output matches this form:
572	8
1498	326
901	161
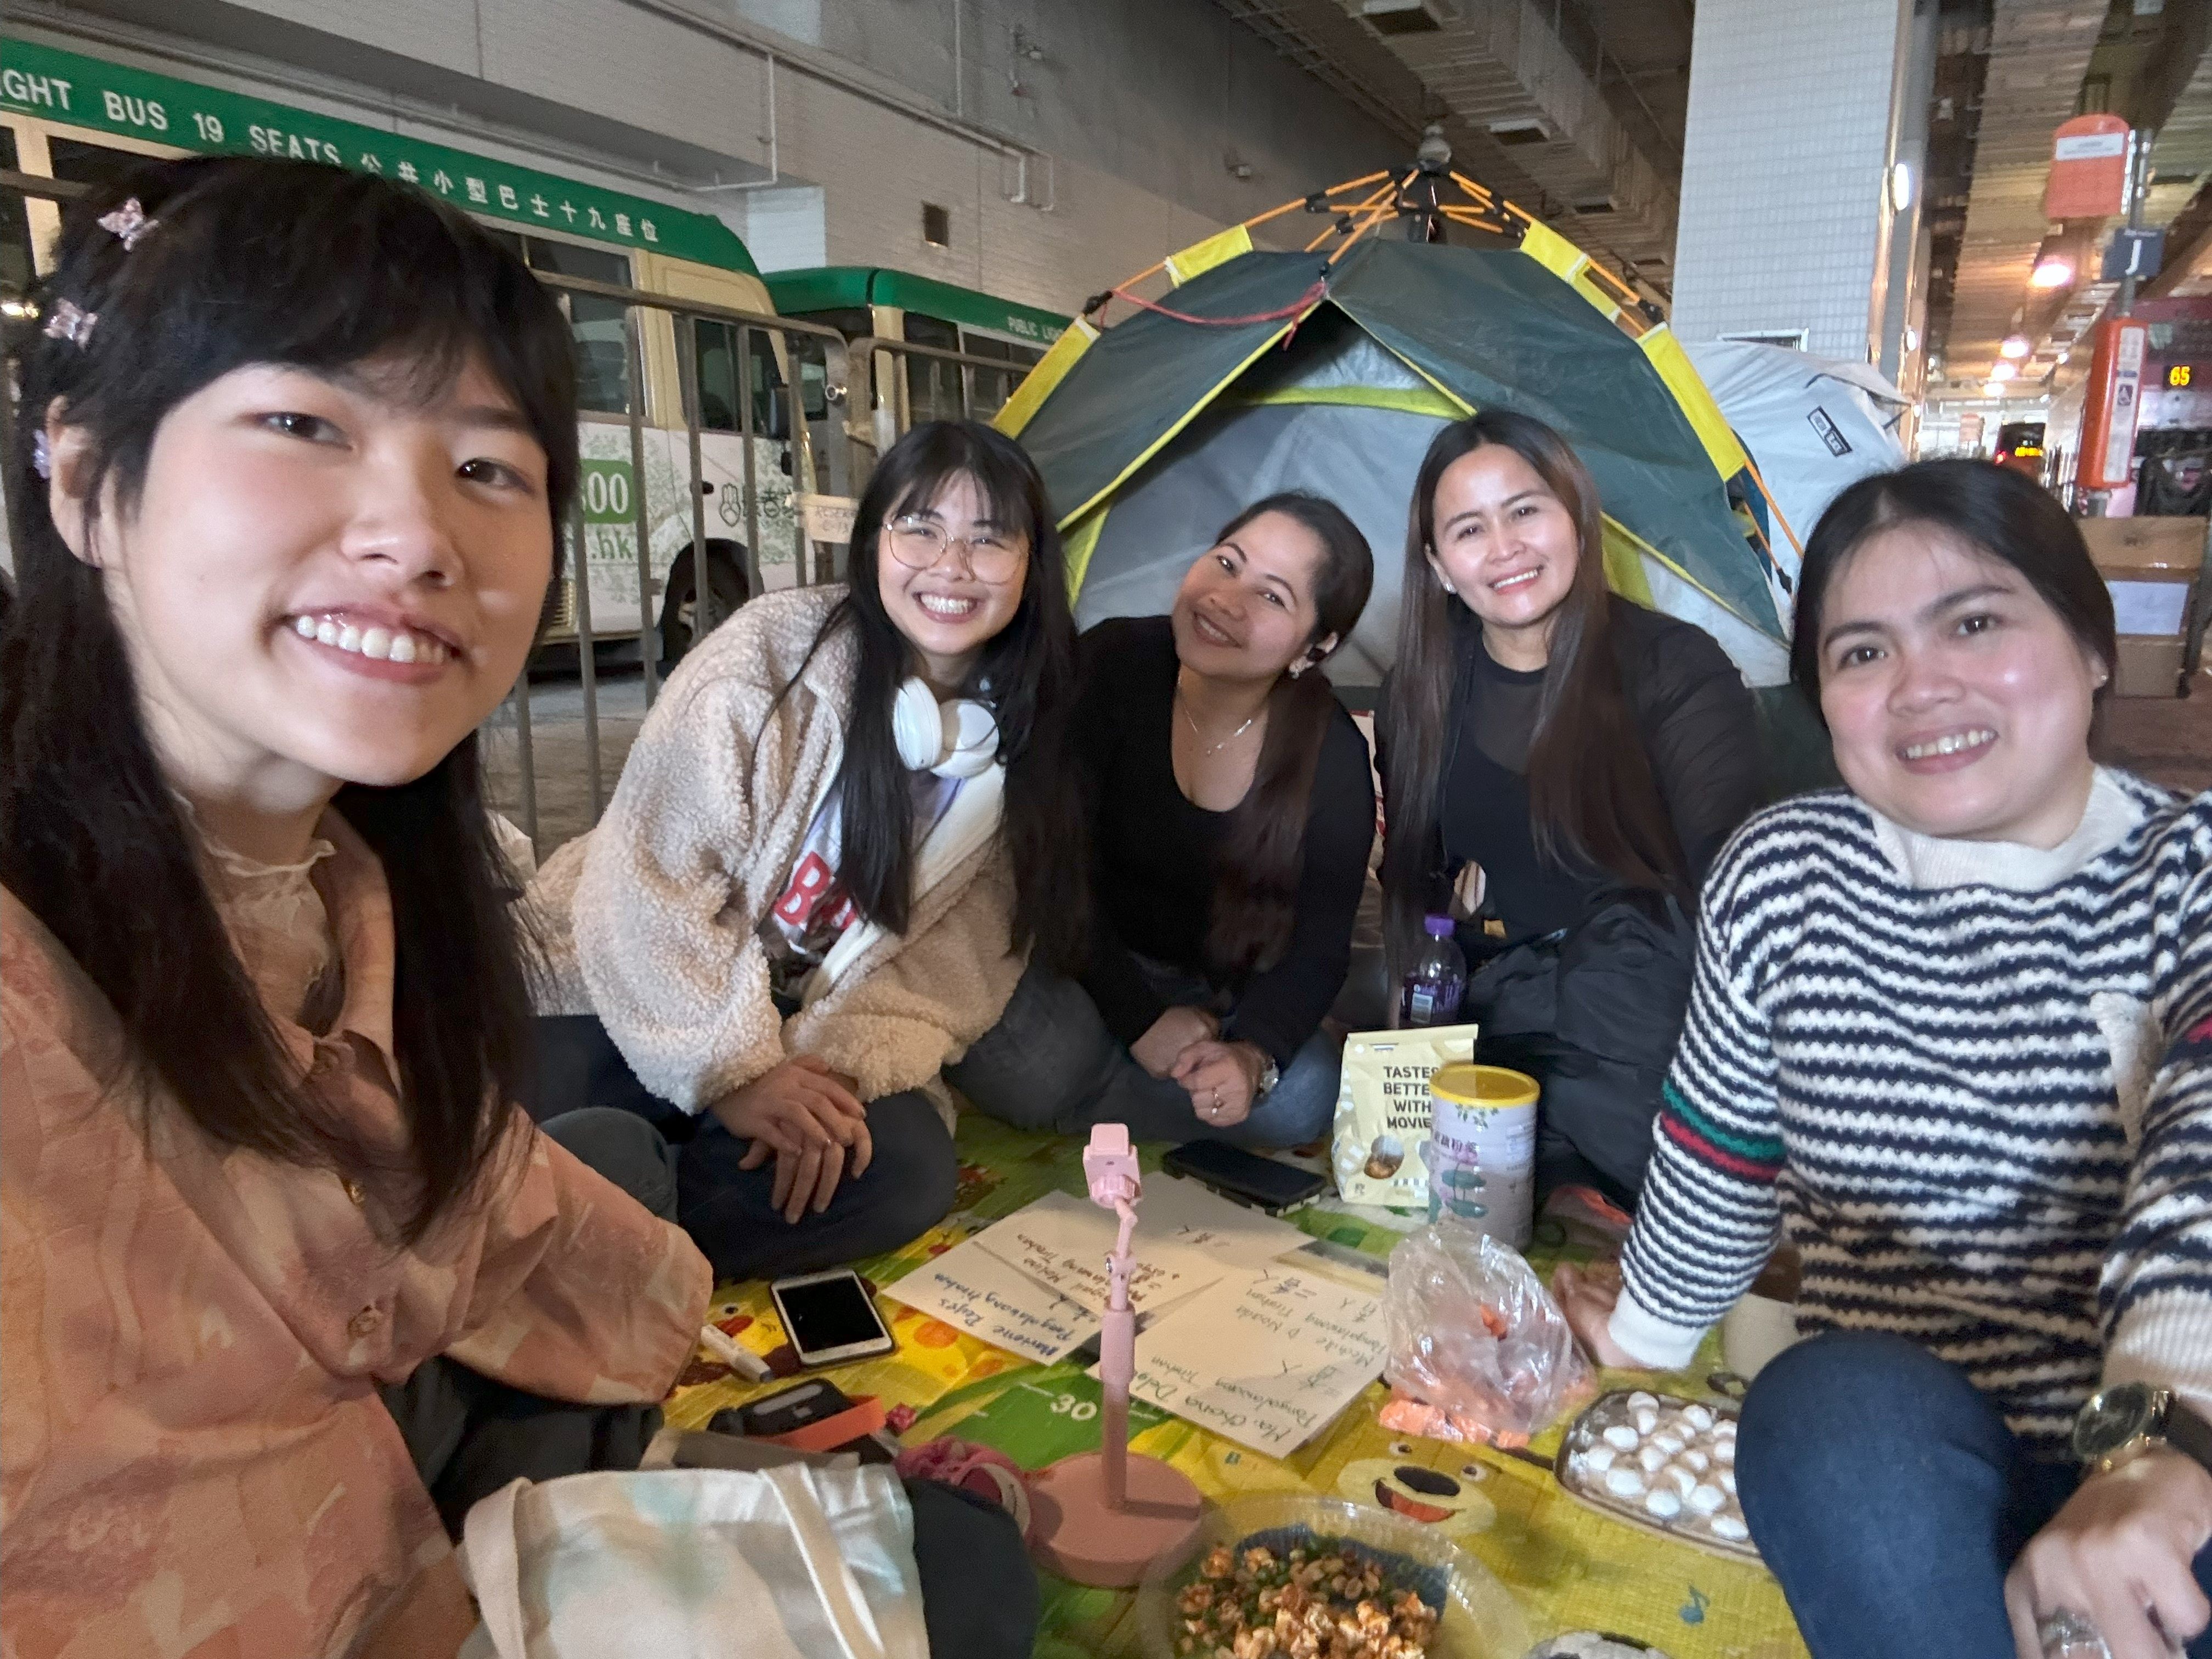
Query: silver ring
2067	1635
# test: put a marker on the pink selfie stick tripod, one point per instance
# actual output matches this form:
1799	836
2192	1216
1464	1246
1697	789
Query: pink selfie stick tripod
1102	1516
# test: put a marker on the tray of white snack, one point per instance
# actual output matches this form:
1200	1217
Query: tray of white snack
1661	1463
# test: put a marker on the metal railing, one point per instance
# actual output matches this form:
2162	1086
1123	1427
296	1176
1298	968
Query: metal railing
764	349
887	398
865	406
868	399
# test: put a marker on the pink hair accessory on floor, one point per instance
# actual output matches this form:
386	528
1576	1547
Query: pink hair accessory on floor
984	1470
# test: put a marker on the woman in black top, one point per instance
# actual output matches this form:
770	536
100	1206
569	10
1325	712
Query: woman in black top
1566	760
1231	814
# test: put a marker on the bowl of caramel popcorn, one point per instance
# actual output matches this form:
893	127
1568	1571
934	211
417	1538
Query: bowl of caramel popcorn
1298	1576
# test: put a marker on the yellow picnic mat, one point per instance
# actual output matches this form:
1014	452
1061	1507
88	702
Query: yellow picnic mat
1570	1567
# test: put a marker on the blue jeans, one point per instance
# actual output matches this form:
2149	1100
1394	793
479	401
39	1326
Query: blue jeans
1889	1498
1050	1063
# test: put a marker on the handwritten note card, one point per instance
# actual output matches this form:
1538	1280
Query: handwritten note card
1186	1238
1266	1359
977	1292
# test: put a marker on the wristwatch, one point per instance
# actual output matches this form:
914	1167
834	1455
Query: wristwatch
1270	1074
2120	1423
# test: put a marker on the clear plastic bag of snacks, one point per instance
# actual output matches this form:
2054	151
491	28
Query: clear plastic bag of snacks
1479	1350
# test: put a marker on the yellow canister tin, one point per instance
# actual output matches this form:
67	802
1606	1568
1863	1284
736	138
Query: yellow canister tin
1463	1083
1481	1151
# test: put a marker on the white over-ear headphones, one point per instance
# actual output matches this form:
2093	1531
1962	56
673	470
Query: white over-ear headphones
955	739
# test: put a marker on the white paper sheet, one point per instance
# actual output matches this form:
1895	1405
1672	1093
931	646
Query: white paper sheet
1186	1238
972	1290
2159	608
1268	1359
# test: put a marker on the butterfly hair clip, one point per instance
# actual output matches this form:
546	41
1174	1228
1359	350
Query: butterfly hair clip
129	222
70	322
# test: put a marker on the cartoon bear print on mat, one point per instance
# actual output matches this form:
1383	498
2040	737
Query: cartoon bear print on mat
1439	1492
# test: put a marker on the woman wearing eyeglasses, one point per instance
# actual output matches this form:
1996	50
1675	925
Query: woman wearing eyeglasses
843	827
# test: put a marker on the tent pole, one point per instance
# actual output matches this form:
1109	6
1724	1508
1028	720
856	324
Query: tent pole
1515	210
1480	193
1774	506
1291	206
1295	202
1387	194
1384	204
1361	229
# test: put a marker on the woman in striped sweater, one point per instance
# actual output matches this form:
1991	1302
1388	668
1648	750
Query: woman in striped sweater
1951	1033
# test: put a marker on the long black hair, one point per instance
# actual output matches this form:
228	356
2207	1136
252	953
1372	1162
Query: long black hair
1263	845
1026	672
1991	509
1592	798
260	262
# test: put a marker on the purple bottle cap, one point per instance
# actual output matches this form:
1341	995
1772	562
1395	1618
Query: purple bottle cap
1438	926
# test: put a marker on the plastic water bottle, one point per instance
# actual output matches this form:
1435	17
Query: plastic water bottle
1431	993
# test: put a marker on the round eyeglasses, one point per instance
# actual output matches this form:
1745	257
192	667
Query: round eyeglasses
993	556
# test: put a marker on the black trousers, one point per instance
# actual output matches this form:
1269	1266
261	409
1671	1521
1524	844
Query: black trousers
907	1190
1593	1015
471	1435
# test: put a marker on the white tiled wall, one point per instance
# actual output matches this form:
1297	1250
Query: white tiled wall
1784	169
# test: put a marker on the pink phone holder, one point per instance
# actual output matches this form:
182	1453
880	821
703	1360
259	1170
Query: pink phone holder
1102	1516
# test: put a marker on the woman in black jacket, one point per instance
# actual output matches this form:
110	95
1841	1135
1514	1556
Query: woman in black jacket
1567	761
1231	815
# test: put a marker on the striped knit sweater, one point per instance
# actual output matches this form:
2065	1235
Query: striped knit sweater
1973	1082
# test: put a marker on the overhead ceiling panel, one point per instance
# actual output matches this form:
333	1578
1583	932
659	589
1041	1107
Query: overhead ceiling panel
1501	63
2039	52
1323	39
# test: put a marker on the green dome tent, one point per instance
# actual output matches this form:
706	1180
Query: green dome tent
1330	372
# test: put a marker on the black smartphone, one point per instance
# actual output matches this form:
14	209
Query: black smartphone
1261	1182
830	1317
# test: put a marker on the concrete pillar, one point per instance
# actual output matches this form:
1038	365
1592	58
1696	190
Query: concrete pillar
1797	116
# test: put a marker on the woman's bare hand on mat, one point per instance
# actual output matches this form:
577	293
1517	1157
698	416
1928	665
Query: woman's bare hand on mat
808	1118
1586	1295
1223	1078
2119	1554
1165	1041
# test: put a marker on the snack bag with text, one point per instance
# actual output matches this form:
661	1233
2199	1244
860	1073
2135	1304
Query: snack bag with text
1382	1112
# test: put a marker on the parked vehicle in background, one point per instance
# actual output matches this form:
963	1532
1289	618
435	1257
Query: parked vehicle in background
68	117
867	302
